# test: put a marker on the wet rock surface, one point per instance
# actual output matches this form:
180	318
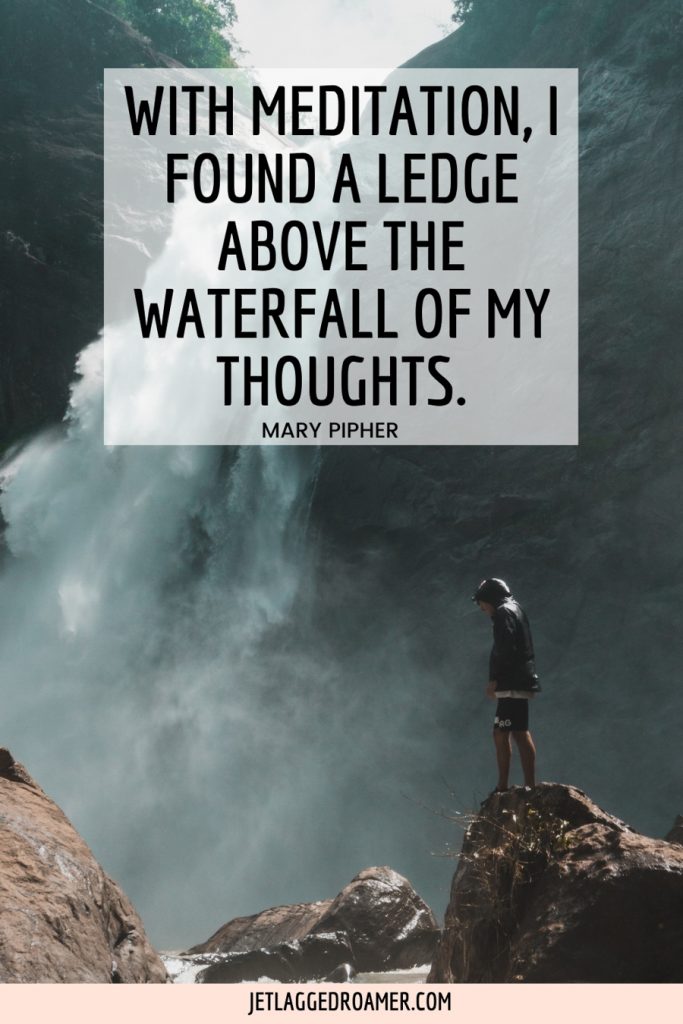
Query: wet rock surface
62	918
377	922
315	956
389	925
550	888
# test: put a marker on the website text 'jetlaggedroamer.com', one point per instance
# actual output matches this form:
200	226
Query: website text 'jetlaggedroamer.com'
429	1000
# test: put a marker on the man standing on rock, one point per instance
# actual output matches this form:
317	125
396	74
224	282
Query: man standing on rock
512	678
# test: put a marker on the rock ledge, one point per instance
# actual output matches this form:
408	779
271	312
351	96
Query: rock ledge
550	888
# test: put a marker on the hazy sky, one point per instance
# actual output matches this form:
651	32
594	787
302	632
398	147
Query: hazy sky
338	33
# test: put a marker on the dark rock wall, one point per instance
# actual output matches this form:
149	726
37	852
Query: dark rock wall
52	56
589	537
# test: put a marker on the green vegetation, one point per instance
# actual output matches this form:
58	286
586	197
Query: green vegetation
598	19
194	32
461	8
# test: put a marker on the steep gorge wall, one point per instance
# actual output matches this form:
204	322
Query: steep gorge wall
52	56
590	537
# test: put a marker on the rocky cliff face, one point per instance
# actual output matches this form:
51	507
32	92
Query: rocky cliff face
53	56
590	537
62	919
550	888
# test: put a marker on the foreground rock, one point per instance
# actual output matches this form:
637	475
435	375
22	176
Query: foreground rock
550	888
377	922
62	919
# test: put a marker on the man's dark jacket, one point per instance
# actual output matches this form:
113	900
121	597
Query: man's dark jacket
512	664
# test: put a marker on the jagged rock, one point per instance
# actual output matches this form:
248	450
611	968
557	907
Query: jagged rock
675	833
62	919
550	888
271	927
314	956
390	927
387	924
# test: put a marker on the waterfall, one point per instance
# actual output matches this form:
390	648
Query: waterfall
161	677
144	595
138	594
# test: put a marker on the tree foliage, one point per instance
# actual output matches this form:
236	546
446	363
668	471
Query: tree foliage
461	8
194	32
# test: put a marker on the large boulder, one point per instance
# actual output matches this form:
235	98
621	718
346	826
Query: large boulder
390	927
313	957
63	919
386	924
550	888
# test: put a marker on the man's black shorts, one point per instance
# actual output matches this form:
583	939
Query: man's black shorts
512	713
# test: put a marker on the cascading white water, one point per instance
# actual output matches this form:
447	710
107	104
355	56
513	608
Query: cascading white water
139	592
159	678
139	586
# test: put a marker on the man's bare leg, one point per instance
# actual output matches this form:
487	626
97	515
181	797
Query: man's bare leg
527	755
501	737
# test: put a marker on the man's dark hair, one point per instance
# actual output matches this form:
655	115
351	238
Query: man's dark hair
492	591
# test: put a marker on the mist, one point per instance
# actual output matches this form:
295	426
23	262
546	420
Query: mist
338	33
165	685
165	681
